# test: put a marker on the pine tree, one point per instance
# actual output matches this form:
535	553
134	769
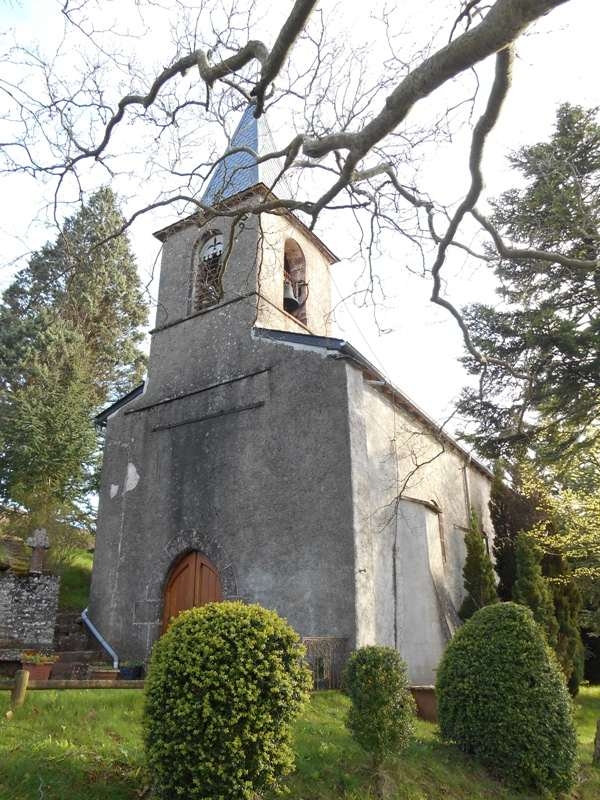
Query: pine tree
69	341
547	326
532	590
478	572
511	511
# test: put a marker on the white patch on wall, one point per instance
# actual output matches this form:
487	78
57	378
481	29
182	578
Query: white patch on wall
114	490
132	479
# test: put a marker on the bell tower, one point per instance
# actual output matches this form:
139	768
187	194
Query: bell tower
214	259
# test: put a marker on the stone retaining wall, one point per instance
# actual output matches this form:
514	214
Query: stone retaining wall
28	605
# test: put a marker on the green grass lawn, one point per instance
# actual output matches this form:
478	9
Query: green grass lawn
67	745
75	582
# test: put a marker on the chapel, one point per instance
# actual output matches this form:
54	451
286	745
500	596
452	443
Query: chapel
264	459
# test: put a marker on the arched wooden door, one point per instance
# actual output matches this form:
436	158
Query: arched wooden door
193	581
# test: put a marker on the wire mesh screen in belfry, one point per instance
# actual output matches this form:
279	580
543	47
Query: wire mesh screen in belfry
208	290
326	656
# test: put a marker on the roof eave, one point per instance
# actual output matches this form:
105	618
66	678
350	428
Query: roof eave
202	216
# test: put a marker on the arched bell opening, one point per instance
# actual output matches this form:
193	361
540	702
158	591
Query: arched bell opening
192	581
295	287
206	288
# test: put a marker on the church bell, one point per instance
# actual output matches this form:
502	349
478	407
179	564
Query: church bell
290	302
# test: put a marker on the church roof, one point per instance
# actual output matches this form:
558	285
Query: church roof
240	170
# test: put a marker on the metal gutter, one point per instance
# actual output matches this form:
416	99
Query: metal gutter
102	418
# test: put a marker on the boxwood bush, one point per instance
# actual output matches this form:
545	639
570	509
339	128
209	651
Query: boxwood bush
382	715
502	697
224	684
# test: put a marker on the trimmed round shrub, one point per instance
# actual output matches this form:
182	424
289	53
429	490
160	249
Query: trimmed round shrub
502	697
224	685
382	715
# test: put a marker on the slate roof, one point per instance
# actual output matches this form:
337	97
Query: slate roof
240	171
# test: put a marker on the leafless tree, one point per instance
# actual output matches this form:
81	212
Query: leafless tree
91	110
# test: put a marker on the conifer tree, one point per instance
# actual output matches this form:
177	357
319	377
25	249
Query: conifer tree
478	572
511	511
532	590
541	343
69	341
568	604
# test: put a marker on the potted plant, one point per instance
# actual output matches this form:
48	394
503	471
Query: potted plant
39	665
131	671
102	672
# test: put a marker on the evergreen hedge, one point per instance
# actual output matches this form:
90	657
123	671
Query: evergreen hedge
502	697
382	715
224	685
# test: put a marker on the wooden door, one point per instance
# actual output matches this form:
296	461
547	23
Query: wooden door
193	581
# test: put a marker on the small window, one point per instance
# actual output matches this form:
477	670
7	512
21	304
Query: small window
295	287
207	289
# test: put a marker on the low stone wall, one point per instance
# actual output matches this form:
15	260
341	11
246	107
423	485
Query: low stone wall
28	605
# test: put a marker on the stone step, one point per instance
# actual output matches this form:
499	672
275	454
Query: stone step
69	670
82	656
68	617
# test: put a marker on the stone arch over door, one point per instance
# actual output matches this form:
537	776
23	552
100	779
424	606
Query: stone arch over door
193	581
148	610
193	539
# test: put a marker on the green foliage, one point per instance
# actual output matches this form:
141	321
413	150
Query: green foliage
542	342
502	697
532	590
511	512
478	573
224	685
568	602
563	524
47	438
75	579
36	657
69	340
382	716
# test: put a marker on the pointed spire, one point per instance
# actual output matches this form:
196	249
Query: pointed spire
239	171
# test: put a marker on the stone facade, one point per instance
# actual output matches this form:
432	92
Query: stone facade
28	605
285	459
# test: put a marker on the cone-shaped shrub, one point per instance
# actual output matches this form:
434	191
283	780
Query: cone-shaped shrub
224	685
502	697
531	588
382	714
478	572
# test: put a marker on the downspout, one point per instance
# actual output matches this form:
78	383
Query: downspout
467	492
99	638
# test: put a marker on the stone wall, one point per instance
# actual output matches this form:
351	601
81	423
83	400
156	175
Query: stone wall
28	605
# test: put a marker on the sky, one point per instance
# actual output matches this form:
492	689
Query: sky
415	344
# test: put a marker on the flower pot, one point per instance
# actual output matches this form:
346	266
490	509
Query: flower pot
131	673
37	672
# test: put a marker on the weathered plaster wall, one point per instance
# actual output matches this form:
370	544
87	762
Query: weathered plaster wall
254	265
254	473
28	605
275	229
177	264
417	542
